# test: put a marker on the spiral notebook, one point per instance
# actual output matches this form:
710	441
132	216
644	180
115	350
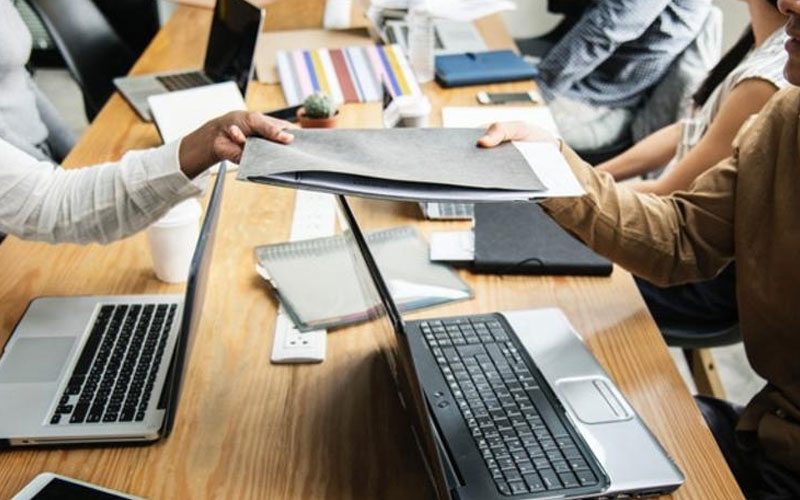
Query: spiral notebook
317	282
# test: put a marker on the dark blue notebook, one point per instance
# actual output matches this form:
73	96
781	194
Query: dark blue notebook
474	68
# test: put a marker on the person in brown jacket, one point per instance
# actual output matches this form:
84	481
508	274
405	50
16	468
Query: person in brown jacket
745	210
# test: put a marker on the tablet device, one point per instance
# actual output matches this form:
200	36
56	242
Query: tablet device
49	486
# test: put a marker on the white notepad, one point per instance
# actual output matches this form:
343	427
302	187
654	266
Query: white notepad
181	112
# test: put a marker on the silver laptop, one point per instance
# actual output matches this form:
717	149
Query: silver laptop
447	210
229	57
512	403
450	37
103	369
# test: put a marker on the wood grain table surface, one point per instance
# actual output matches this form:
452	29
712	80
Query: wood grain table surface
248	429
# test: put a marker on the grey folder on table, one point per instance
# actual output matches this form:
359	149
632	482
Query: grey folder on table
402	163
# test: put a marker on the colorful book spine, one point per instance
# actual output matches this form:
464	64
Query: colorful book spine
352	74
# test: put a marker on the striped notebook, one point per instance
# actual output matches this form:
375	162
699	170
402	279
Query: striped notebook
351	74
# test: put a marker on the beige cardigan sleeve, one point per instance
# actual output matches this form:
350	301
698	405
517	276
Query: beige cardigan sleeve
667	240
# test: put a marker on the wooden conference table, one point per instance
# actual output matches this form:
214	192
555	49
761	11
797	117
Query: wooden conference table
250	429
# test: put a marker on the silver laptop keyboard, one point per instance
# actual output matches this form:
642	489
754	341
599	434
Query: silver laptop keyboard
182	81
523	442
116	371
458	211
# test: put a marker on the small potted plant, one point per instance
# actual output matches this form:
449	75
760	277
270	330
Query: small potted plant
318	111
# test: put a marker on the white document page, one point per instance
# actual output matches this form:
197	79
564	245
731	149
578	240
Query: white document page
179	113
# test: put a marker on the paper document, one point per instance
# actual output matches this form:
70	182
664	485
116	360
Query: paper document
181	112
452	246
402	163
483	116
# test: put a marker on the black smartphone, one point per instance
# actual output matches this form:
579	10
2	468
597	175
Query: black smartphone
530	97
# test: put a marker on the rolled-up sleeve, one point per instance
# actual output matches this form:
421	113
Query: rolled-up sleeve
667	240
102	203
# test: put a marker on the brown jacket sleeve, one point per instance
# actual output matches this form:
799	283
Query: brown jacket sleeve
667	240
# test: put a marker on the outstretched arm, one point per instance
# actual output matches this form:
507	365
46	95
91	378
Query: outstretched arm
106	202
666	240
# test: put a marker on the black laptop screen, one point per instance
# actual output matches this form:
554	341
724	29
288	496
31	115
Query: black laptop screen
386	318
192	304
232	42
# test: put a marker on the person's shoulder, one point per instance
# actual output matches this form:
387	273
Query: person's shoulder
775	124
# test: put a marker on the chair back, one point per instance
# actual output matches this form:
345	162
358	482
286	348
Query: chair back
92	50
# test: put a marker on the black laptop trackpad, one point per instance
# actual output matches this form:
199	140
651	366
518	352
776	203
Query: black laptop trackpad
593	401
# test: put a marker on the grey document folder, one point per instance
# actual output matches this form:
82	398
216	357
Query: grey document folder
317	284
401	163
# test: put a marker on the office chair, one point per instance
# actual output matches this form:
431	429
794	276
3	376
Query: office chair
696	343
136	21
538	46
92	50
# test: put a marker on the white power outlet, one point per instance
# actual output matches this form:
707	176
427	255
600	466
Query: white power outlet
314	217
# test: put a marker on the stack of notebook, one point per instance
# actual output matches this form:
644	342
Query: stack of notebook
351	74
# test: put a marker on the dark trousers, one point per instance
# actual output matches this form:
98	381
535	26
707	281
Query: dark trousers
703	306
758	478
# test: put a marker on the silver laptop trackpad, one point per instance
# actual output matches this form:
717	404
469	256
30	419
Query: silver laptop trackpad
35	360
592	400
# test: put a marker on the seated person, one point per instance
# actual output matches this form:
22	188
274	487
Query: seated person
742	211
27	119
738	86
40	201
599	72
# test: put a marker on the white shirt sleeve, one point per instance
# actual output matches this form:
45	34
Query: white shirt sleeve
102	203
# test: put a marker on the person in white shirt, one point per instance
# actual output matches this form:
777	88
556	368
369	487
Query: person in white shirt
103	203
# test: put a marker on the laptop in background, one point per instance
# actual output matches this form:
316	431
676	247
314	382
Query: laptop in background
450	37
103	369
512	403
229	57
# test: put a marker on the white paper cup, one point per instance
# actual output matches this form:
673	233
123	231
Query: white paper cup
173	239
415	111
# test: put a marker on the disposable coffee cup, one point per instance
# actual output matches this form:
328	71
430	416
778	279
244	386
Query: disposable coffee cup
173	239
415	111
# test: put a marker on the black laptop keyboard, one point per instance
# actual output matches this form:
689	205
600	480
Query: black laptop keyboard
116	371
182	81
523	442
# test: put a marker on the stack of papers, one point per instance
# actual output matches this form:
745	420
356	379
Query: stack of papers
410	164
350	74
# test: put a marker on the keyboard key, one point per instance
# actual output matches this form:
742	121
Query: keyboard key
503	487
550	479
586	478
533	482
568	480
518	488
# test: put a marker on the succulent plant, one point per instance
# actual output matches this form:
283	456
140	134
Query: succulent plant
319	105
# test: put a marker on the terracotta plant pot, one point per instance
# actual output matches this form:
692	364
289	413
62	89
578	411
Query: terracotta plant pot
306	122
